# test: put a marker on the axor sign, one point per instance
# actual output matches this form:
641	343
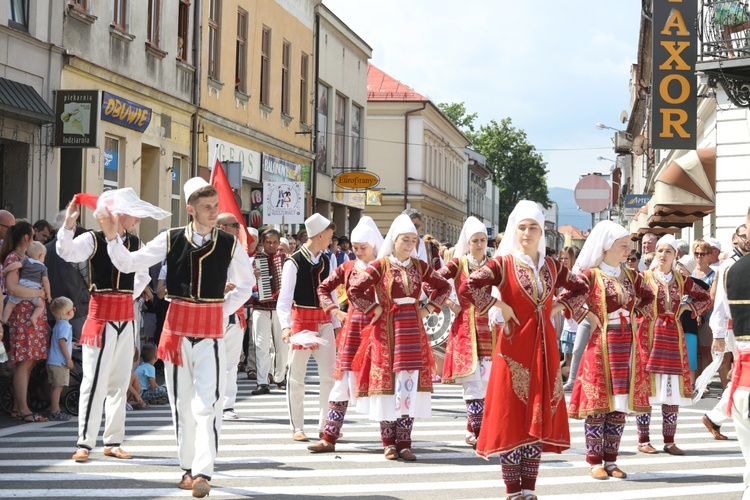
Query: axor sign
356	180
674	110
593	194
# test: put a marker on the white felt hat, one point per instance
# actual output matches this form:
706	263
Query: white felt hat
253	232
713	242
316	224
192	185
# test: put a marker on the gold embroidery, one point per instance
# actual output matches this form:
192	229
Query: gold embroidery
520	377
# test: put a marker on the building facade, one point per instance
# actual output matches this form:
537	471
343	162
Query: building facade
340	111
418	154
31	59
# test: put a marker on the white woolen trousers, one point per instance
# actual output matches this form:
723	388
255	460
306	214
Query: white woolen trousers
325	357
194	391
266	329
233	352
106	376
718	413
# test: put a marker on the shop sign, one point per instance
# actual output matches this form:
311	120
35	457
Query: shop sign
125	113
76	118
356	180
283	202
226	151
674	87
277	169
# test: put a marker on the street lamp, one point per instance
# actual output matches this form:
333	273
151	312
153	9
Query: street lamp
602	126
601	158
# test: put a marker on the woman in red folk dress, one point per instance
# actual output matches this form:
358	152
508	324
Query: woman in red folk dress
468	354
395	362
525	404
366	240
606	388
665	370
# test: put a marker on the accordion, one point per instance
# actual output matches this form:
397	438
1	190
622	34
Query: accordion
270	267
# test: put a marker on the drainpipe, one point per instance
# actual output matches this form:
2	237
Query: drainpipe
406	153
314	168
194	139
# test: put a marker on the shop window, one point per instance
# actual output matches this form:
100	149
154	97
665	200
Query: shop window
183	30
111	163
214	40
240	67
18	14
265	66
120	15
304	89
176	190
286	61
154	22
340	133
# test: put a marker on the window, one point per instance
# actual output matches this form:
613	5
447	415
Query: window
111	163
18	13
265	65
322	146
154	22
176	190
286	61
356	143
120	14
80	4
214	39
304	90
240	66
183	30
339	149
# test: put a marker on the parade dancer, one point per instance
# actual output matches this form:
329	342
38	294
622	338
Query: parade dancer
471	342
299	309
525	405
603	391
665	369
395	362
109	335
199	257
367	240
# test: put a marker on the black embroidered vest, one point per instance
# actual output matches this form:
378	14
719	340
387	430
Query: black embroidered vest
738	294
198	274
309	276
103	275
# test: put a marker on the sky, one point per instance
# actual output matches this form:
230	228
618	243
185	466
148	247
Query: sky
555	68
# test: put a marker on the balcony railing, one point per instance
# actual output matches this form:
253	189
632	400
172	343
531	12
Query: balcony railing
724	30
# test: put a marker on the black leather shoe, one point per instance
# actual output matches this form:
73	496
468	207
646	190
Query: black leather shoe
262	389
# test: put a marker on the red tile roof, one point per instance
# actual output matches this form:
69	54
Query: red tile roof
575	233
383	87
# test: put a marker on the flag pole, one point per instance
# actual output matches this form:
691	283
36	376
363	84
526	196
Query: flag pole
212	164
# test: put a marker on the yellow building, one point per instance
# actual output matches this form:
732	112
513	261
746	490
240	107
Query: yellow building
256	88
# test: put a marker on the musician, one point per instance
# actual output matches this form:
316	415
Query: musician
266	327
192	344
299	309
109	335
235	329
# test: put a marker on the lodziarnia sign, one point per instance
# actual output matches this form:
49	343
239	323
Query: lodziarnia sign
674	89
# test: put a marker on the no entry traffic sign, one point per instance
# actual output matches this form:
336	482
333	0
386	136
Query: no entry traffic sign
593	193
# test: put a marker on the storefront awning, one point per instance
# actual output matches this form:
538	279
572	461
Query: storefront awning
640	226
23	101
685	191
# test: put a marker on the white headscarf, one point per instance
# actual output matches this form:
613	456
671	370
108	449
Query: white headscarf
525	209
125	201
601	239
670	240
367	232
401	225
471	227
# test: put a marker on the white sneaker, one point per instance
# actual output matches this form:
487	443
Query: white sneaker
230	415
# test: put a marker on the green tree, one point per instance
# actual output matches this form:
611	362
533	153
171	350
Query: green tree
456	112
518	169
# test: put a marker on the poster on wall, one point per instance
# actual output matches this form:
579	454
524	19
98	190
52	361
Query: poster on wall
256	208
322	146
283	202
76	118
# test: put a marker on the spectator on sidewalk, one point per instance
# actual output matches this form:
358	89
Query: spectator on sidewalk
59	360
151	392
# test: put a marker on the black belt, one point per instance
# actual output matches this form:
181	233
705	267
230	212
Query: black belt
194	340
232	319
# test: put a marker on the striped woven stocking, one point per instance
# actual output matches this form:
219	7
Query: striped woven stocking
474	413
531	455
334	420
403	433
388	432
594	432
669	422
643	422
613	427
510	463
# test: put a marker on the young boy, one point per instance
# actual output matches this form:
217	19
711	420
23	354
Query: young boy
151	392
59	361
33	275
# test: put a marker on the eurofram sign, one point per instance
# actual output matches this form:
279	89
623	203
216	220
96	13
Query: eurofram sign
674	89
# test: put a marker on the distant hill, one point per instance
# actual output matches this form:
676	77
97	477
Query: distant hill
569	213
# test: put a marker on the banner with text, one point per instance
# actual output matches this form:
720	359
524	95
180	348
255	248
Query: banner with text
674	87
226	151
283	202
76	118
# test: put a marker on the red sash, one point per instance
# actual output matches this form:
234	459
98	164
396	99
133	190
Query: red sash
203	320
103	308
308	318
